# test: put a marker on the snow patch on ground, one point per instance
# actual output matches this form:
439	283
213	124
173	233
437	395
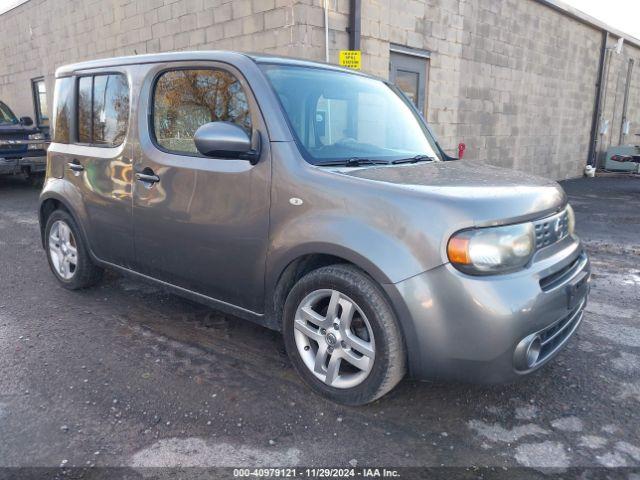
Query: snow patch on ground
631	450
542	455
592	442
611	460
630	390
611	429
627	362
198	452
528	412
497	433
568	424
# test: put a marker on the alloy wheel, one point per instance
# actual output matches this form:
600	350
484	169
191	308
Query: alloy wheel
334	338
63	250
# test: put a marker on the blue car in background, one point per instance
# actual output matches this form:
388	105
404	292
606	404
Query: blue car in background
23	147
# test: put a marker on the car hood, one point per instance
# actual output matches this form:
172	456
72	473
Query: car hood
491	194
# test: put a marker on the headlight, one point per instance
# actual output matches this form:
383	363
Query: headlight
571	220
36	136
492	250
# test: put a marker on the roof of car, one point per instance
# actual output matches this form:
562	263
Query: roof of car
204	55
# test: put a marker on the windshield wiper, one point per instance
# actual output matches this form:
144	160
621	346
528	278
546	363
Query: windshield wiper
352	162
417	158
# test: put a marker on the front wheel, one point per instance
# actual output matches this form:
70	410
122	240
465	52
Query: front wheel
342	335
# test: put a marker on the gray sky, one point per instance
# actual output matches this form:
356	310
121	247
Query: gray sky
9	4
621	14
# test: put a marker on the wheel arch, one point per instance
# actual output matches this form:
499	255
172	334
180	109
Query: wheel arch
49	203
296	266
304	259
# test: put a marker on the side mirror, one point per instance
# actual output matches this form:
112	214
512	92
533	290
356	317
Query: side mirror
226	140
26	121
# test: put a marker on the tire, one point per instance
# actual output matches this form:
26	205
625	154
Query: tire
35	179
84	273
372	337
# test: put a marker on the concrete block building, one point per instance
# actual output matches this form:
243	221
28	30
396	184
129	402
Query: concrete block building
528	84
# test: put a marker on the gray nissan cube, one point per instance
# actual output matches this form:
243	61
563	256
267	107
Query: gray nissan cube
315	201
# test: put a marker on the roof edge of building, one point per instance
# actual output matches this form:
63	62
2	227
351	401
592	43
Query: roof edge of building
587	19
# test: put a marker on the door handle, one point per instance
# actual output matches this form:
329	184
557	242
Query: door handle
75	166
147	178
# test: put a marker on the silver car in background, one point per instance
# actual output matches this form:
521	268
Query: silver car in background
315	201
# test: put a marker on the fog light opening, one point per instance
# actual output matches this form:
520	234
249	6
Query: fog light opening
533	352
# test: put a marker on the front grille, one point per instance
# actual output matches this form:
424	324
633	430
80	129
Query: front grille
555	335
8	147
551	229
13	136
558	278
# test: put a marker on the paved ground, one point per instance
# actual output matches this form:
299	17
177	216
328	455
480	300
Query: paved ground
125	374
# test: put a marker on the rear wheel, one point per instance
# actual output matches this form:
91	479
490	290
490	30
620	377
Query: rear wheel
342	336
67	254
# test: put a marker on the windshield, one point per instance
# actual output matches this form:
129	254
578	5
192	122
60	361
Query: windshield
6	115
339	116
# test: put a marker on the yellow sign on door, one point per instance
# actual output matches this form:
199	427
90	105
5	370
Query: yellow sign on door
351	59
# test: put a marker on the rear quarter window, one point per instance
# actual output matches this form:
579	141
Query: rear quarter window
62	110
103	109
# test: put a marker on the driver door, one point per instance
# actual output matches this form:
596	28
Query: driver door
200	223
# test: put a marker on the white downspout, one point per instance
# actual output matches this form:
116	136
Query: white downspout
326	31
326	58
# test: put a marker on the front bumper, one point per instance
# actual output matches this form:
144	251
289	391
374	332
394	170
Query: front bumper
34	162
480	328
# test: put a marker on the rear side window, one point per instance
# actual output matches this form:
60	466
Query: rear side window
103	109
62	100
184	100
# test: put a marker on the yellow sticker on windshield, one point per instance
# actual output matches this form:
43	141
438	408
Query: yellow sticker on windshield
351	59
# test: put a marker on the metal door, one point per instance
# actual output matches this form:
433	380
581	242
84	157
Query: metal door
409	74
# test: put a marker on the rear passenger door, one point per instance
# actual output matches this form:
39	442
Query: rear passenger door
203	223
98	164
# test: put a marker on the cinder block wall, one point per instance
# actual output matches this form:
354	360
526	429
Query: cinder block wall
513	79
41	35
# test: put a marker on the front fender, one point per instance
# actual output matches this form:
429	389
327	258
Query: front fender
380	255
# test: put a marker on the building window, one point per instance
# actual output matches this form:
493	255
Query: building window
62	110
183	100
103	109
40	105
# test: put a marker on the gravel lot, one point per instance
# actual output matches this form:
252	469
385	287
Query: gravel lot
128	375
